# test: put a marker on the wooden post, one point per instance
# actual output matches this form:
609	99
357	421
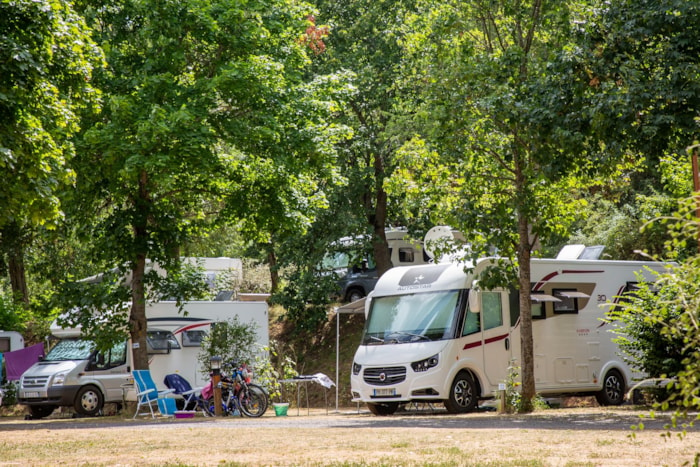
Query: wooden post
696	186
216	383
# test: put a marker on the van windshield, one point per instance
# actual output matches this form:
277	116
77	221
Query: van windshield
70	349
411	318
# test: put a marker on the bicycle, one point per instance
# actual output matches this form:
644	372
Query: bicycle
238	395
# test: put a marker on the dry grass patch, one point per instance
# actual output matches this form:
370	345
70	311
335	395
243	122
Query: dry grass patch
239	442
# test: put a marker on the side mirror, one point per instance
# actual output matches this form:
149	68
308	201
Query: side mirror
474	301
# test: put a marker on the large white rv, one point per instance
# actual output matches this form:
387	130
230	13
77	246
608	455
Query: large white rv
430	335
74	374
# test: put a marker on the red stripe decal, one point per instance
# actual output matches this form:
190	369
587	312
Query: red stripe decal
191	326
490	340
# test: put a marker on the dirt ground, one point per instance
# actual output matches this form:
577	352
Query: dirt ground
559	437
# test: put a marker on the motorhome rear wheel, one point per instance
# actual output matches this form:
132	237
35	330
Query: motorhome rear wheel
613	392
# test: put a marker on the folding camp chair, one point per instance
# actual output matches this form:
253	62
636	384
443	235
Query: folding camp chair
148	396
193	397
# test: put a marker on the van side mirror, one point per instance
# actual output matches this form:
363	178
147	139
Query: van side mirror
474	301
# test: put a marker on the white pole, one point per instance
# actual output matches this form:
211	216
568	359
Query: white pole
337	356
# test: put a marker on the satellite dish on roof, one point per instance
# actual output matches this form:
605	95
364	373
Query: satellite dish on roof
439	237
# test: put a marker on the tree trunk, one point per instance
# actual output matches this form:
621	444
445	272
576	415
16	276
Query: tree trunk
137	317
18	276
274	271
526	342
12	244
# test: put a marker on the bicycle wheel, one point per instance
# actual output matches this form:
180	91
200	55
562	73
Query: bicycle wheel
253	400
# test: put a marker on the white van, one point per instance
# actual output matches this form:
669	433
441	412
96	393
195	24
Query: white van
74	374
431	337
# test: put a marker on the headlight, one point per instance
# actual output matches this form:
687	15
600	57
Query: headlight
58	379
356	367
425	365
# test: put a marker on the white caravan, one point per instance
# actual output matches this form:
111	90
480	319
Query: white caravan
430	336
73	374
10	341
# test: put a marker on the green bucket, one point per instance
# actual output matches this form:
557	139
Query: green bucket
281	409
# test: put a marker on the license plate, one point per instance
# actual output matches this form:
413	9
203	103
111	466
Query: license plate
31	394
384	392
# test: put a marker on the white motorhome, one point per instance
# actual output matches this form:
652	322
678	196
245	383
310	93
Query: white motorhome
73	374
431	336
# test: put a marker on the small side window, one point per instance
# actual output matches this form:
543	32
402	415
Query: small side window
161	341
567	303
406	255
193	338
538	311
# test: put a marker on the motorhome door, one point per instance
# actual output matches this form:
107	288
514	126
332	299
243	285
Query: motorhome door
496	338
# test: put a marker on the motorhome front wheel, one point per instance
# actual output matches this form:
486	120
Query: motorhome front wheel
383	409
463	394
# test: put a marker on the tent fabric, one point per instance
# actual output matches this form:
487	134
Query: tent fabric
18	361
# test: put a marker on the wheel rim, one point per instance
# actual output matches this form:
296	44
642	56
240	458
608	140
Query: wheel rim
463	393
90	401
613	388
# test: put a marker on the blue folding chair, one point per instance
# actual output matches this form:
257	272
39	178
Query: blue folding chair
192	397
148	396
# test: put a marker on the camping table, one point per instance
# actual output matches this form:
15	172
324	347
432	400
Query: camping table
305	380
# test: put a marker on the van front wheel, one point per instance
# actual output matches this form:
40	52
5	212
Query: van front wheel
463	394
89	401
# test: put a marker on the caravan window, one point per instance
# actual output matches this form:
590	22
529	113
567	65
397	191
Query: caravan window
161	341
406	255
567	303
193	338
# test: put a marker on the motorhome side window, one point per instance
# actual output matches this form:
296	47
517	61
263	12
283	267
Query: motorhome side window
472	323
193	338
161	341
492	309
537	306
567	302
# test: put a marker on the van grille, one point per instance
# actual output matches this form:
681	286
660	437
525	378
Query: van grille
385	376
34	382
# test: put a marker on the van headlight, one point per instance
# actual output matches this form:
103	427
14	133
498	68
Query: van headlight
356	367
58	379
425	365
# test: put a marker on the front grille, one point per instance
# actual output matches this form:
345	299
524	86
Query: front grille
34	382
385	376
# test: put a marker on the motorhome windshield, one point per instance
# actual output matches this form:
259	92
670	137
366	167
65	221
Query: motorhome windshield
410	318
70	349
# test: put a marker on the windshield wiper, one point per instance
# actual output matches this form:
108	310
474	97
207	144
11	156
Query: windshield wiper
416	337
376	339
